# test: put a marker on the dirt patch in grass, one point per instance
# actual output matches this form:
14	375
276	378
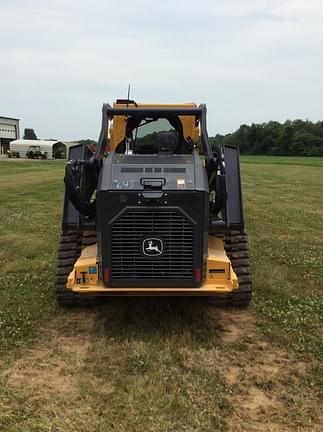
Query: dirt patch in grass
232	325
266	382
53	365
271	362
256	400
268	361
268	390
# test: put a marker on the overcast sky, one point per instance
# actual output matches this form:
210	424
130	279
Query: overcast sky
248	60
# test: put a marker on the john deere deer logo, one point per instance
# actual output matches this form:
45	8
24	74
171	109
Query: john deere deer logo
152	246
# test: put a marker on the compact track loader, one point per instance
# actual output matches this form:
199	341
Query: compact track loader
154	211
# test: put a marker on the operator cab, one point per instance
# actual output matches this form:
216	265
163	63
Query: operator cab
154	135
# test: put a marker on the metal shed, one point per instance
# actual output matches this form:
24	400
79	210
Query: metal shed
9	130
52	149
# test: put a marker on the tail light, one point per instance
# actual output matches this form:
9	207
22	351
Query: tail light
197	274
106	274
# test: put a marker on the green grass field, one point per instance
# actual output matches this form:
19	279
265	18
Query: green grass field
165	364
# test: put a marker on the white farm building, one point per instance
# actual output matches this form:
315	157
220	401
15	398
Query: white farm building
51	149
9	130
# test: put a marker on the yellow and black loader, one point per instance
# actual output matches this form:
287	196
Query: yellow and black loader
155	211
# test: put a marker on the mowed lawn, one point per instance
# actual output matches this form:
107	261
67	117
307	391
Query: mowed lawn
165	364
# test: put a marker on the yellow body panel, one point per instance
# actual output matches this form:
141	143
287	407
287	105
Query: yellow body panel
220	277
117	131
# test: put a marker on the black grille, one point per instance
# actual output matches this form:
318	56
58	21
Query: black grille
174	170
154	159
131	170
128	234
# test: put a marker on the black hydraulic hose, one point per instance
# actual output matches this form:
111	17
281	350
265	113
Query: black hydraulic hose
72	188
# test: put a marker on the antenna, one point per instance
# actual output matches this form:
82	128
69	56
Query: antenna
128	97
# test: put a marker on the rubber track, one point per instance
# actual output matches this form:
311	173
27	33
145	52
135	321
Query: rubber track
237	249
70	246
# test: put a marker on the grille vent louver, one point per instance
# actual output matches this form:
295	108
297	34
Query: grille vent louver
128	232
131	170
174	170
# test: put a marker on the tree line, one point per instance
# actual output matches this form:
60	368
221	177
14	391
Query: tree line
292	138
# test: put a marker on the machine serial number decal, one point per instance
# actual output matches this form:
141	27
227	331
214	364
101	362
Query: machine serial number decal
125	184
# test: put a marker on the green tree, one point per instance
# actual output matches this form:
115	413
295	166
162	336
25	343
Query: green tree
29	134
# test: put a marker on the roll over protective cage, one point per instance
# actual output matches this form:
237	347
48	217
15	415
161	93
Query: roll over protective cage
199	112
220	166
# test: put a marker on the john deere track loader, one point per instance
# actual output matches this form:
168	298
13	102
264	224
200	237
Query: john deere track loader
154	211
